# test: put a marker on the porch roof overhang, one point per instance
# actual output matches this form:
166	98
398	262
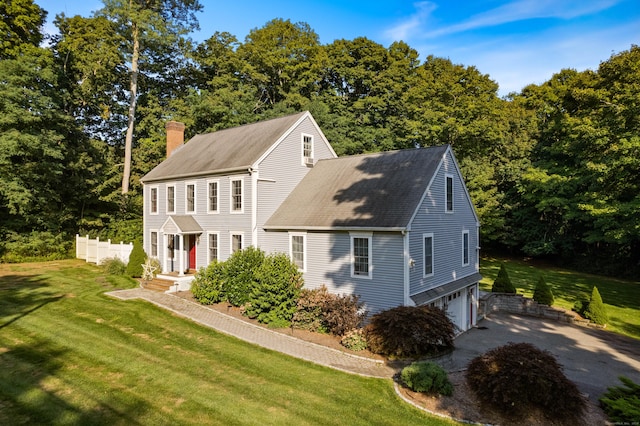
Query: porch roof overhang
435	293
181	225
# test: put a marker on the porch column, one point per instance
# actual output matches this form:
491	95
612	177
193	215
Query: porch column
182	251
163	252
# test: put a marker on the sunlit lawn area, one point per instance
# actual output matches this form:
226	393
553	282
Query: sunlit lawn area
622	298
71	355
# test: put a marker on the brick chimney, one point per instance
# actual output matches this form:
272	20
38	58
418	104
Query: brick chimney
175	136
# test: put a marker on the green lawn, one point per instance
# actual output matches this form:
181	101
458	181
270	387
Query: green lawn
622	298
71	355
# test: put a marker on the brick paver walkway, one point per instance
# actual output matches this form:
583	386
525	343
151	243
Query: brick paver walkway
260	336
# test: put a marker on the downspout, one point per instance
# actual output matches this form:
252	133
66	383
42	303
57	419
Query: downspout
407	268
254	206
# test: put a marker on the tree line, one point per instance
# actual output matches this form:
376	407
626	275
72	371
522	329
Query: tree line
552	170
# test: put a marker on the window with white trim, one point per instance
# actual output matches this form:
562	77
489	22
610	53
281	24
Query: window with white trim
428	254
236	195
449	193
190	198
153	198
236	242
465	248
307	148
298	250
212	188
154	244
213	247
171	199
361	255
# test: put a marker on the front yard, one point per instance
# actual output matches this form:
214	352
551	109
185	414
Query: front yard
71	355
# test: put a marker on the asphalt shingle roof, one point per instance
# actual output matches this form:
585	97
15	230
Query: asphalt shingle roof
373	191
223	151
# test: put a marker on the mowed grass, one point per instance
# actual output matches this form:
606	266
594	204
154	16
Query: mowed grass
621	298
71	355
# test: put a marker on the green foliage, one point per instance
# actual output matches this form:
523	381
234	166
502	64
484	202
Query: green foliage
113	266
622	403
136	259
518	376
308	315
34	246
596	311
410	331
354	340
272	299
542	293
208	283
502	283
425	376
240	274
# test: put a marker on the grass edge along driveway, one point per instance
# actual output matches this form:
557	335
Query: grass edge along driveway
71	355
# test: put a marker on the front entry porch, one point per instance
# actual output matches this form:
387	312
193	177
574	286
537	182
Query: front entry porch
180	238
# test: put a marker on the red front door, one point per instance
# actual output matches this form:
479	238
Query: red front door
192	252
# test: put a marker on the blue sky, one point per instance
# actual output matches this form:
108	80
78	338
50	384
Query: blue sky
516	42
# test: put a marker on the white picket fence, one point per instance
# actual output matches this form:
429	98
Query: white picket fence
94	250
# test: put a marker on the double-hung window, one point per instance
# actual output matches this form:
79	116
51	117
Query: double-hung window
154	199
428	254
213	196
361	255
154	244
191	198
236	195
307	149
465	248
298	249
449	193
171	199
213	247
236	242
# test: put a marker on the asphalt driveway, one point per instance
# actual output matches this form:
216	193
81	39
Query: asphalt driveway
592	358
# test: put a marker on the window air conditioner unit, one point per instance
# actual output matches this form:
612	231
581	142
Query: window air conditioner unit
308	161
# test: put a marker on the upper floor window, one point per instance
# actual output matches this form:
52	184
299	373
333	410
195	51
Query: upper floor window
213	247
428	254
307	149
236	195
361	255
191	198
213	196
465	248
297	248
171	199
154	200
449	193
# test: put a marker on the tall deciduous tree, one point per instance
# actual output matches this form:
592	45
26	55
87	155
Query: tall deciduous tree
154	31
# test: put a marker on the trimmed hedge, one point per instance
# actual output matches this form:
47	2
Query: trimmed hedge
426	376
208	284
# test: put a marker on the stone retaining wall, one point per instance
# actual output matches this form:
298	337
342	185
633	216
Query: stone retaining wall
518	304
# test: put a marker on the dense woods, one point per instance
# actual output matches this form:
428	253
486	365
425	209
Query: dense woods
553	170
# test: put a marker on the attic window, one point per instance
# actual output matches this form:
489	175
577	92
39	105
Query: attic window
449	193
307	149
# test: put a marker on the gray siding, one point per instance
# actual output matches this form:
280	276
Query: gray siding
447	229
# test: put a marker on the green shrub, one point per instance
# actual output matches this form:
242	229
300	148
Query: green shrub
410	331
208	284
502	283
519	377
425	376
622	403
308	315
240	271
273	297
113	266
354	340
342	313
35	246
596	311
136	259
542	293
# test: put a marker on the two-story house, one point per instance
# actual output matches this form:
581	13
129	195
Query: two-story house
395	228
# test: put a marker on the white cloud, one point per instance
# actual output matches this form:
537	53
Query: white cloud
413	24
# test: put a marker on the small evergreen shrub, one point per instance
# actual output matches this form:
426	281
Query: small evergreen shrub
425	376
113	266
596	311
354	340
240	270
518	377
136	259
273	297
622	403
342	313
410	331
502	283
208	283
308	315
542	293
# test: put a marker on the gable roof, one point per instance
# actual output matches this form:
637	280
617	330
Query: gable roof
374	191
224	151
